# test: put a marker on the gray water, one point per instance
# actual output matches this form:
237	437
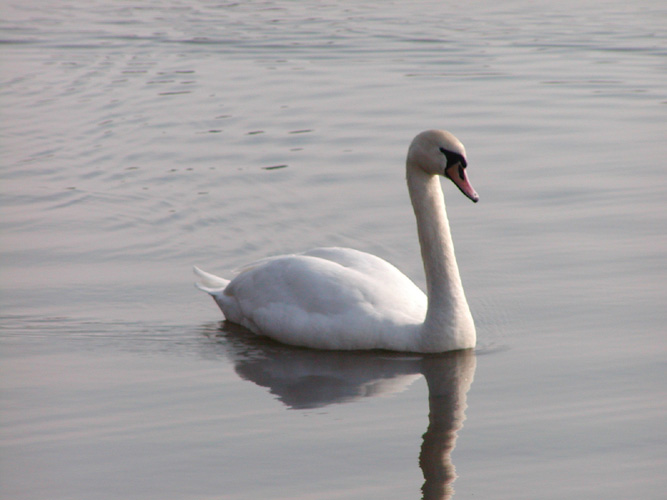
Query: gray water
138	138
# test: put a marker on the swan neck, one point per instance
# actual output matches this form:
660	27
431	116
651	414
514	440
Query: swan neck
435	238
448	319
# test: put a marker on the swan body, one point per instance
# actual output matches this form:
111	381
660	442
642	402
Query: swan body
345	299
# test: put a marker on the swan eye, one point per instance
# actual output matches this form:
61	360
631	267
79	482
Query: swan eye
454	158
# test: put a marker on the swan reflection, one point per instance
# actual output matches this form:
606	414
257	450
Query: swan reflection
306	379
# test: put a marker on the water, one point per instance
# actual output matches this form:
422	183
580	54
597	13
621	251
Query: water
138	139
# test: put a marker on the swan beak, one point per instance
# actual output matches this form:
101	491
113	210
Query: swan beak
457	174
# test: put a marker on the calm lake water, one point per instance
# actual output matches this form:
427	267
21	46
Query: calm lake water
138	138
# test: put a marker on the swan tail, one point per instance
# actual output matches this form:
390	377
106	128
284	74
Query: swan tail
209	283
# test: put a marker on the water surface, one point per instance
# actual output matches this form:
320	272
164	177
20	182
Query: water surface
139	139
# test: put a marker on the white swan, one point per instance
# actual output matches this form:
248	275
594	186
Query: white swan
339	298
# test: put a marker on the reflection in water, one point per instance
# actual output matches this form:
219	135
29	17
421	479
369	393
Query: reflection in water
448	377
304	378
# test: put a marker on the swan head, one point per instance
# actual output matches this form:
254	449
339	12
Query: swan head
438	152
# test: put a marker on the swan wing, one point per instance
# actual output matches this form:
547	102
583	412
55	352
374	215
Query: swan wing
330	298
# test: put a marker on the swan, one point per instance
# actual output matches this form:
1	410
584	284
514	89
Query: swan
345	299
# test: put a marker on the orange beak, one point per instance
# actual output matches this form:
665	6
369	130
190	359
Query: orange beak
457	174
